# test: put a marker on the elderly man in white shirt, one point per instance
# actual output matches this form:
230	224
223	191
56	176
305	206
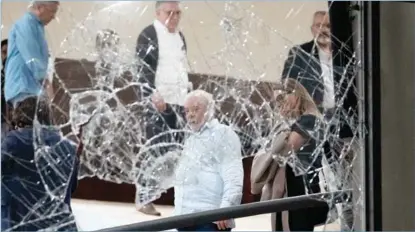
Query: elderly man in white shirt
210	173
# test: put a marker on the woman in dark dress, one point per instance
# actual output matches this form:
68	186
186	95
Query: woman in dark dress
303	149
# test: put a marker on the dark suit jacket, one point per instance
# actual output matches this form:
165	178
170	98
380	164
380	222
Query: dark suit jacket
148	54
303	64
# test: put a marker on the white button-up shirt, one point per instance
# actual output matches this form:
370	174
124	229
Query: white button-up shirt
210	172
326	62
172	81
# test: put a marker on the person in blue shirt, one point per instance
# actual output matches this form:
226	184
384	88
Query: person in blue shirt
39	173
28	54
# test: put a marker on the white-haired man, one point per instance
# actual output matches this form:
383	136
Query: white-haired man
28	53
210	172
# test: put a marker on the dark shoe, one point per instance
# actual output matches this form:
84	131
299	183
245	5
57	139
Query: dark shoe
149	209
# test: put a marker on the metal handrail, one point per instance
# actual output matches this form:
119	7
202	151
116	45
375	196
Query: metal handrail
245	210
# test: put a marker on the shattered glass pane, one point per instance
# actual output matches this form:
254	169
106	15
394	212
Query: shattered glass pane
241	69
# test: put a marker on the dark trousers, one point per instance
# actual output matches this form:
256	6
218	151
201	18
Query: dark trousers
339	129
302	219
158	130
206	227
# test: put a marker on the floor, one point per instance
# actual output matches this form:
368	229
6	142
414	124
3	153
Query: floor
94	215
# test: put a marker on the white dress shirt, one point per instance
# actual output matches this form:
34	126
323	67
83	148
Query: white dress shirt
171	80
326	62
210	172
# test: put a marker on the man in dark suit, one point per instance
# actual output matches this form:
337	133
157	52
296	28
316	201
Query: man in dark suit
323	67
161	52
156	41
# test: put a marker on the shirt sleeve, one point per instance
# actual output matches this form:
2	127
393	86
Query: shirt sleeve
232	172
145	56
289	67
31	49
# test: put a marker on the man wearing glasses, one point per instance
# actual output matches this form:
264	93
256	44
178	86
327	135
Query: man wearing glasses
161	52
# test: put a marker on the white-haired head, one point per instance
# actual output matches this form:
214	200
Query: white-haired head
160	3
44	10
199	107
39	3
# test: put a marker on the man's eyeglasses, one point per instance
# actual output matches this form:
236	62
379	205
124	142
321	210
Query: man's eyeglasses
173	13
321	25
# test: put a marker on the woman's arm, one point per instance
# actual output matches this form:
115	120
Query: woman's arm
294	143
300	134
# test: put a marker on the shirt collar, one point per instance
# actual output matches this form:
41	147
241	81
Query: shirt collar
323	53
208	125
33	16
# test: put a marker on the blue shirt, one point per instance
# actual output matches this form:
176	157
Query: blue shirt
27	59
210	172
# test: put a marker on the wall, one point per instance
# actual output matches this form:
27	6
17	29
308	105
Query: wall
397	36
255	48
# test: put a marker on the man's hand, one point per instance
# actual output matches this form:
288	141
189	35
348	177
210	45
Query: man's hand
159	102
222	225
